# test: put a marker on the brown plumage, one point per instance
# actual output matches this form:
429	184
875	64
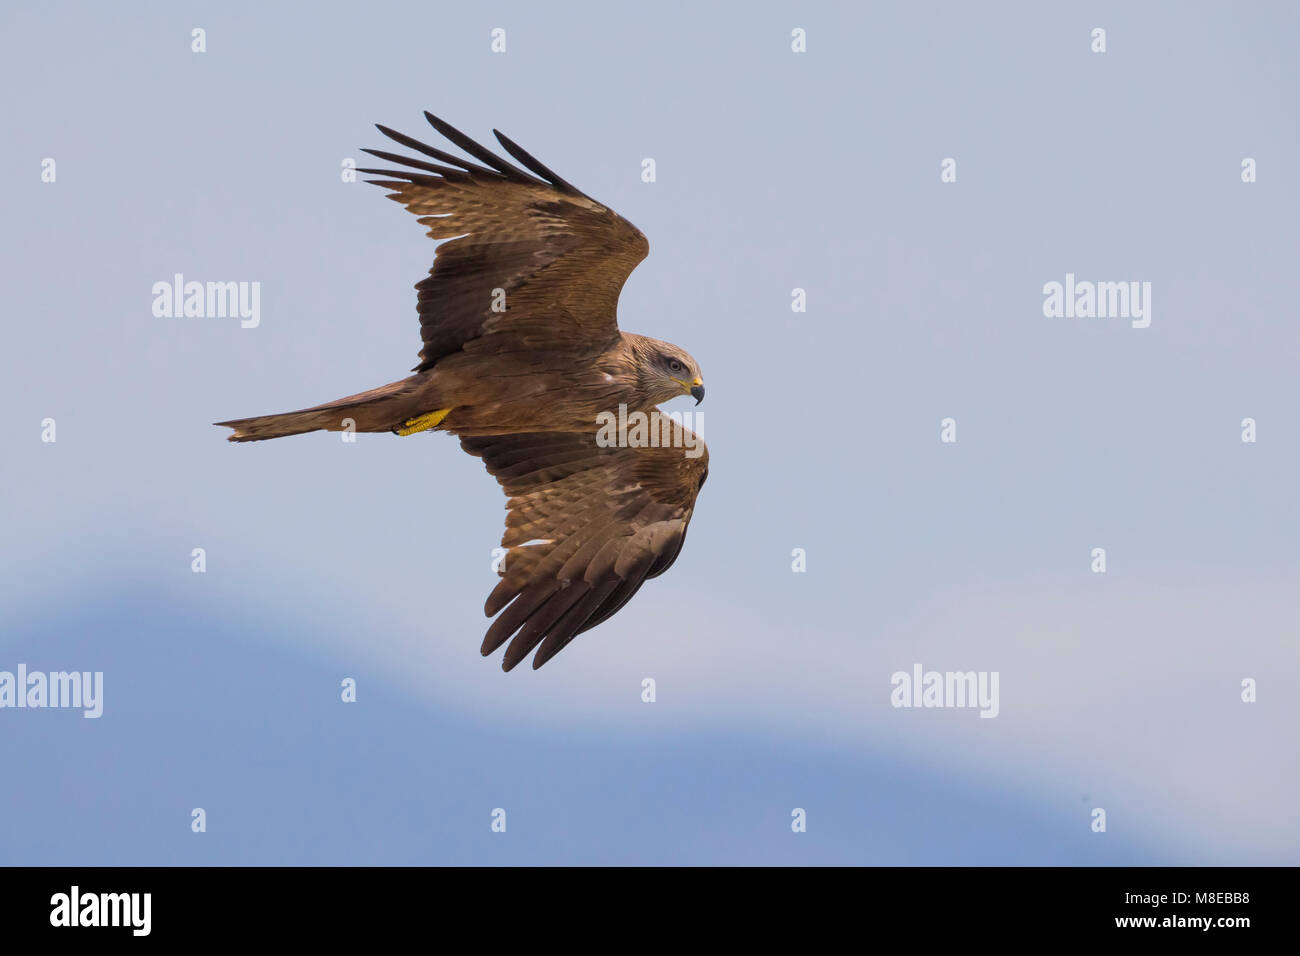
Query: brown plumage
522	359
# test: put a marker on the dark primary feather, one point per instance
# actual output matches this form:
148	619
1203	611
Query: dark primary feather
412	143
608	519
478	151
560	257
527	158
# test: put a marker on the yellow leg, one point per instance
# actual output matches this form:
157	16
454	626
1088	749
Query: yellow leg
422	423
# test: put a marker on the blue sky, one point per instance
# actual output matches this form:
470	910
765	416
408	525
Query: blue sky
775	171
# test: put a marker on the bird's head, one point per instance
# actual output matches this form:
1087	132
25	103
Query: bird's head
667	371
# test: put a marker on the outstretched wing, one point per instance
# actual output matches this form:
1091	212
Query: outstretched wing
587	526
556	256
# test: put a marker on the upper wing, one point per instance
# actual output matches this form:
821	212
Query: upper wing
559	257
604	519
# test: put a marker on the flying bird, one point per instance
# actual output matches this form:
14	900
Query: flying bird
521	358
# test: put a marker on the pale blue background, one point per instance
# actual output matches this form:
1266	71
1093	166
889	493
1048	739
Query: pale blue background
775	171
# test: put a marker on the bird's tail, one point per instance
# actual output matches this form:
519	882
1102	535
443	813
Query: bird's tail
378	410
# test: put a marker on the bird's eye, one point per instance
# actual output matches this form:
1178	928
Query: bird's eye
675	365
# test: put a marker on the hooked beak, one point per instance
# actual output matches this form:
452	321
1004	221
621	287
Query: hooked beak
694	388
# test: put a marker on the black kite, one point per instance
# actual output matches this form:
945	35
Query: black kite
522	355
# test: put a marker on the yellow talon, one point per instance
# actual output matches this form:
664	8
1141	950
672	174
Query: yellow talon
422	423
